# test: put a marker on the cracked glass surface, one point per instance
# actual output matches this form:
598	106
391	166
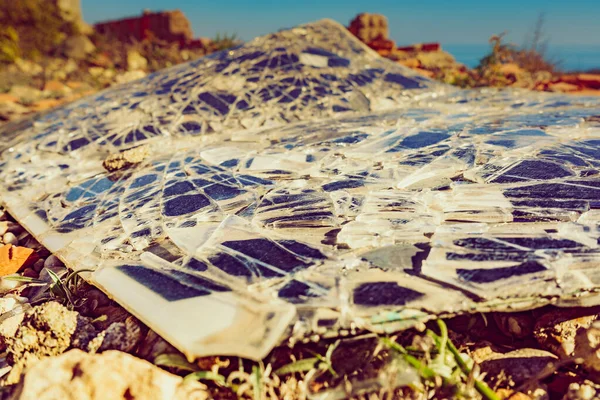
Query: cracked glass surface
301	185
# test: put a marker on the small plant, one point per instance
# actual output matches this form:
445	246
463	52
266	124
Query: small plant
448	367
62	290
319	362
225	41
530	59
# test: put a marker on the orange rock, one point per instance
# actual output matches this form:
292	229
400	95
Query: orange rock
74	84
382	44
563	87
410	63
421	47
569	79
54	86
509	394
429	74
45	104
590	81
8	98
15	258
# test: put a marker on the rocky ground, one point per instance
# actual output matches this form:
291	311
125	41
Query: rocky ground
27	87
61	338
505	66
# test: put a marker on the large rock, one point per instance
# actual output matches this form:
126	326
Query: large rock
587	348
556	330
47	330
515	367
76	375
170	26
369	27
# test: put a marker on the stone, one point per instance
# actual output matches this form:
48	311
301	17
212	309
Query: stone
152	345
78	47
9	323
28	67
75	85
126	159
515	325
368	27
135	61
556	330
112	314
130	76
38	265
25	94
42	105
410	62
589	81
8	285
421	47
77	375
169	26
8	98
47	330
56	87
587	348
70	10
508	394
52	261
30	273
3	227
580	391
10	238
436	59
122	336
516	367
9	111
15	258
563	87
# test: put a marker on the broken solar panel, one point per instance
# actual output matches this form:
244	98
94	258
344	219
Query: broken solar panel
300	185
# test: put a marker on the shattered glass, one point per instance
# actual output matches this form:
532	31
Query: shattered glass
300	185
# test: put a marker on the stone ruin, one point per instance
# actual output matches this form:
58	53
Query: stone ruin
170	26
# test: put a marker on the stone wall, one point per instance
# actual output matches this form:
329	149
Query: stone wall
170	26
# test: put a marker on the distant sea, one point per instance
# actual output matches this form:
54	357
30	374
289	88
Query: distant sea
570	57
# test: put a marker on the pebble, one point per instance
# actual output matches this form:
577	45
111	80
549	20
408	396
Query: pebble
39	264
3	227
30	273
10	238
6	285
52	262
15	228
579	391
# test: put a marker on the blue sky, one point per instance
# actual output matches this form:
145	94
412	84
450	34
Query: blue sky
445	21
